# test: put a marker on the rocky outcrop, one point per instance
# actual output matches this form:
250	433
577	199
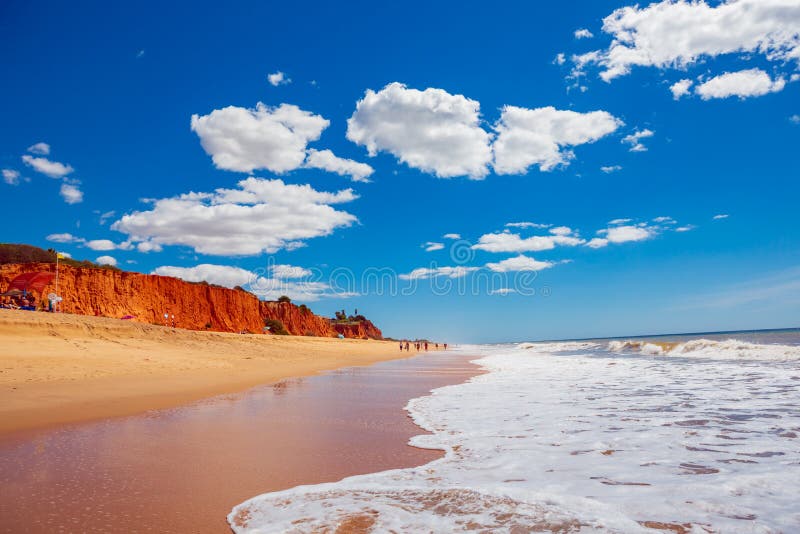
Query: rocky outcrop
358	330
195	306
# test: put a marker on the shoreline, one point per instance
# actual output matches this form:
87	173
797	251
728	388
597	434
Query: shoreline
185	468
59	369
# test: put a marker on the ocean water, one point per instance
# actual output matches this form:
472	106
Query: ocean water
688	433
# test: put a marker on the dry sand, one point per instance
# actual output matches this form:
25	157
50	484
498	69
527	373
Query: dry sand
59	368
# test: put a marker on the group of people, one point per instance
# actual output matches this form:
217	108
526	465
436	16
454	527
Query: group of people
21	302
419	345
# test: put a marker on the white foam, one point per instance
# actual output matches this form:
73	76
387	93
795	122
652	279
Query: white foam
583	442
709	348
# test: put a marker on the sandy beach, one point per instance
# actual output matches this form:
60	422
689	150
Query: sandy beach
183	467
60	368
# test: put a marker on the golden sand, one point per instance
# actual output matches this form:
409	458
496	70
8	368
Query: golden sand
60	368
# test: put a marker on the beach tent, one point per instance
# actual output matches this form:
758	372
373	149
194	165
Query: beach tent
31	281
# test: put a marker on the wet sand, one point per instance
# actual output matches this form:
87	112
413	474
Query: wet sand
61	368
183	469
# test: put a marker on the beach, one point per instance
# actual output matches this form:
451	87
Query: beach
159	460
61	368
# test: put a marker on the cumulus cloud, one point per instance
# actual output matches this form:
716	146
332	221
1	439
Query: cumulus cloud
624	234
561	230
431	130
677	34
258	216
40	149
53	169
106	260
327	161
744	84
101	244
430	246
597	242
71	193
634	140
583	33
452	236
241	139
278	78
519	263
608	169
289	271
269	288
64	238
424	273
510	242
543	136
681	88
10	176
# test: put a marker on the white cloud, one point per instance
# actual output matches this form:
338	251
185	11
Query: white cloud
664	220
148	246
64	238
431	130
526	224
560	59
681	88
561	230
289	271
106	260
140	54
71	193
222	275
795	119
326	160
430	246
278	78
624	234
53	169
686	228
101	244
677	34
502	291
10	176
519	263
583	33
509	242
744	83
634	140
269	288
423	273
721	216
40	149
241	139
543	136
608	169
597	242
258	216
452	236
619	221
105	216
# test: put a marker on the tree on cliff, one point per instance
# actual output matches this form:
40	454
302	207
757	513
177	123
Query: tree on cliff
284	298
276	327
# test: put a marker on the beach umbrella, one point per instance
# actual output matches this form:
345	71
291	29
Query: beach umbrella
31	281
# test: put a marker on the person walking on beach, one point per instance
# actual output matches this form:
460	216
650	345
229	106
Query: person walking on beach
401	346
445	346
426	346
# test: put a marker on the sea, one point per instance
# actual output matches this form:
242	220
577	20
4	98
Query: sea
690	433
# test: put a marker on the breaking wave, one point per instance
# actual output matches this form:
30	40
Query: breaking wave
709	348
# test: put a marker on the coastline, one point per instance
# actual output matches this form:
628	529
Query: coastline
58	369
183	469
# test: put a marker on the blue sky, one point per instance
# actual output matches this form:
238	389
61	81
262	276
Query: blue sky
477	116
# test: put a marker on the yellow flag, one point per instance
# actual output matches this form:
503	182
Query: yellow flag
60	256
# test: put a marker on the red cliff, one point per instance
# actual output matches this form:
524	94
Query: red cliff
196	306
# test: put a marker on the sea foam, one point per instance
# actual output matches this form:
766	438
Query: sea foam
575	438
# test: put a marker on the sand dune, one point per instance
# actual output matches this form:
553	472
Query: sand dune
60	368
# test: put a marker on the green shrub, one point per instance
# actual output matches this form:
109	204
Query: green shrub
276	327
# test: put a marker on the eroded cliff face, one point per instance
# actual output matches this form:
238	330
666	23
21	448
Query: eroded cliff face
359	330
147	297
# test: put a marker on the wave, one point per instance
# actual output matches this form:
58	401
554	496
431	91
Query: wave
709	348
